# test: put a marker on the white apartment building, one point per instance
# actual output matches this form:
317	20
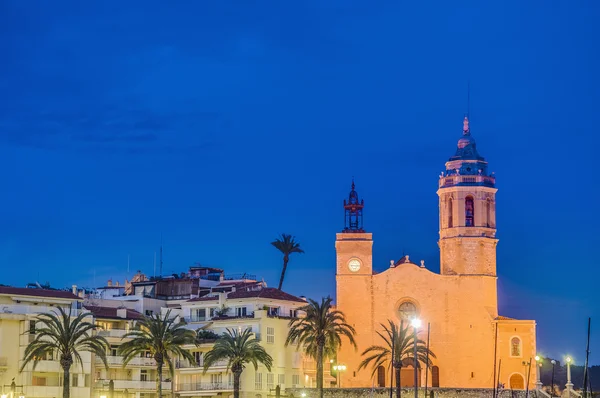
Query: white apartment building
18	310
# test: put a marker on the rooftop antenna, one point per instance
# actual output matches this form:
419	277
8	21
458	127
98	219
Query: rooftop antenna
128	265
161	262
155	264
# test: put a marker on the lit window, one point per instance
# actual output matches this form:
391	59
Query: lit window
488	213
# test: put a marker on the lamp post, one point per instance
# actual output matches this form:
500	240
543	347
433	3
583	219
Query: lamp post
338	369
416	324
538	362
569	384
553	362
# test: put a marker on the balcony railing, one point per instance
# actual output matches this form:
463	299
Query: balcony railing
21	309
112	332
183	363
204	387
118	361
132	384
452	180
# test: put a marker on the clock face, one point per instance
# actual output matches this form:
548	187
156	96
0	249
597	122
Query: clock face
354	265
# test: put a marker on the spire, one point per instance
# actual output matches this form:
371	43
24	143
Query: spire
352	183
466	130
353	209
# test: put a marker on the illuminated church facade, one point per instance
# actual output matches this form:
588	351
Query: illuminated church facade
467	335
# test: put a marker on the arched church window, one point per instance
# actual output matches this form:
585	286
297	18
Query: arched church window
488	213
407	311
381	376
469	212
515	347
450	213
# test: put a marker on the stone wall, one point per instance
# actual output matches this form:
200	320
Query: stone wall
406	393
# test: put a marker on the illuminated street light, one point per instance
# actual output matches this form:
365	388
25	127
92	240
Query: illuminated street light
538	362
339	369
416	324
569	385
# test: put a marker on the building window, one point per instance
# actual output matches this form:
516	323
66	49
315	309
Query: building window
435	376
258	381
199	315
407	311
295	381
74	382
270	335
212	312
198	358
281	380
241	311
216	378
488	213
143	375
450	213
149	312
270	381
293	314
515	347
381	376
273	311
31	327
469	212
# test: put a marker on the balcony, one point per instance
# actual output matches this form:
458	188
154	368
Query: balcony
118	361
204	387
469	180
23	309
119	333
185	364
132	385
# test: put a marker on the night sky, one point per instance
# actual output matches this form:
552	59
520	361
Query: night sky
223	124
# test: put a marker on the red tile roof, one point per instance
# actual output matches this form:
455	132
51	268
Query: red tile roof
22	291
111	312
265	292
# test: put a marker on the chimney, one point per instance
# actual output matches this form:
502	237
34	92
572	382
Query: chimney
117	284
122	313
74	289
81	292
392	262
303	298
109	283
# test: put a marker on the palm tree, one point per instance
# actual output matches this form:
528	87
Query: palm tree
319	332
67	336
287	245
163	337
239	349
402	340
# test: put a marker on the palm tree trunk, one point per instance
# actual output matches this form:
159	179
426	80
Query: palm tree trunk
320	369
236	384
398	390
159	366
66	382
285	263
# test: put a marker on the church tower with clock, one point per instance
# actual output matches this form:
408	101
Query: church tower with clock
460	303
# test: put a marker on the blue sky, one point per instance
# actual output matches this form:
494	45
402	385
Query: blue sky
222	124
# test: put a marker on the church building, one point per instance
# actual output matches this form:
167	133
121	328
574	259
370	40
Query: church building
472	343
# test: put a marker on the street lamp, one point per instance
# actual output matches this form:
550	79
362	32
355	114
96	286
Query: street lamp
569	384
538	362
338	369
416	324
553	362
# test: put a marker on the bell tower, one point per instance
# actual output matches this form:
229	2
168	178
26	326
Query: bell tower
467	205
354	246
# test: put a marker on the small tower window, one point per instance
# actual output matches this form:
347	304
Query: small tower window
515	347
469	212
488	213
450	213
